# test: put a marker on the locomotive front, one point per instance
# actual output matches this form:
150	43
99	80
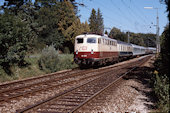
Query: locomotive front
86	49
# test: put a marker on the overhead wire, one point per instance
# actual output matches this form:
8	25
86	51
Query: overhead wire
110	19
132	13
123	14
144	17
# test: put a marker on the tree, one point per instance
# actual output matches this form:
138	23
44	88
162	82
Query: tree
99	21
47	19
106	32
137	39
96	22
92	21
15	36
26	12
14	5
163	62
114	31
85	27
117	34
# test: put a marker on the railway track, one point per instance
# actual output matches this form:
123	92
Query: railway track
74	98
38	84
54	81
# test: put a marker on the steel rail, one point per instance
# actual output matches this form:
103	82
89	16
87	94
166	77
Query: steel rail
109	85
65	92
46	82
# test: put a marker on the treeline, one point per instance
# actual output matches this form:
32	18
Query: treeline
162	71
26	27
147	40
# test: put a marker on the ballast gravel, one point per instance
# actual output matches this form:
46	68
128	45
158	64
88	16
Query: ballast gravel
128	96
132	95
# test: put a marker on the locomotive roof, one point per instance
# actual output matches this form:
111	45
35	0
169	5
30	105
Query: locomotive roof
88	35
94	35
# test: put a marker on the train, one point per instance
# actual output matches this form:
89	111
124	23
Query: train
94	49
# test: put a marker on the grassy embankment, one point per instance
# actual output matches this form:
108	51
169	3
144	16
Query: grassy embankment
65	62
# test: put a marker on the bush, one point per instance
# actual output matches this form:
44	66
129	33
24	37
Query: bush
66	50
66	61
49	59
161	88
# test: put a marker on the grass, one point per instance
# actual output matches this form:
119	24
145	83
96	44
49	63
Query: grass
65	62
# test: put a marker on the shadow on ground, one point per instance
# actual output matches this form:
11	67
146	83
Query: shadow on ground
144	75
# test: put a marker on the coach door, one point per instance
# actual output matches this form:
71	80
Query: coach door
100	44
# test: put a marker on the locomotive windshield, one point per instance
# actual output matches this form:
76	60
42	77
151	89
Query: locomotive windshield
91	40
79	40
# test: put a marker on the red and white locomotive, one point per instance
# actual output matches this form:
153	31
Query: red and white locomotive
93	49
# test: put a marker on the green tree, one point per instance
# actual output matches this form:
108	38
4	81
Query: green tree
117	34
26	12
14	5
99	22
15	36
136	39
92	21
114	31
85	27
96	22
106	32
47	19
163	62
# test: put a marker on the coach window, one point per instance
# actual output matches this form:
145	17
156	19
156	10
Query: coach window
91	40
79	40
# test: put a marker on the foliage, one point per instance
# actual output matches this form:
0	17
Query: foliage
15	35
162	62
161	88
92	21
162	65
96	22
165	52
47	19
99	19
66	61
85	27
49	59
19	73
137	39
106	32
117	34
142	39
66	50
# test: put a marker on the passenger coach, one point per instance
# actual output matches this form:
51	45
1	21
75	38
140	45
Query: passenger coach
93	49
125	50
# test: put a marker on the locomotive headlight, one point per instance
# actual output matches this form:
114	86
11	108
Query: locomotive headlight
92	51
76	52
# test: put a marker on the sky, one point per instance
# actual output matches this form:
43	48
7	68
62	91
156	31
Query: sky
127	15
